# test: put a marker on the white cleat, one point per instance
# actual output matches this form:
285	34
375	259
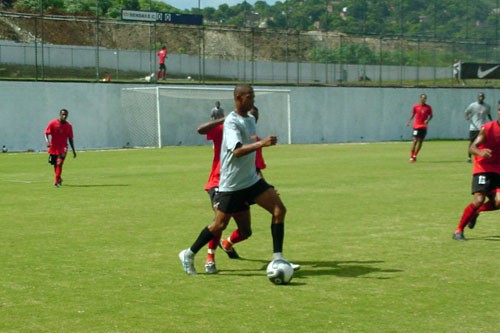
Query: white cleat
187	263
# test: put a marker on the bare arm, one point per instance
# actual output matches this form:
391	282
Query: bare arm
72	144
409	120
428	119
242	150
206	127
481	138
47	140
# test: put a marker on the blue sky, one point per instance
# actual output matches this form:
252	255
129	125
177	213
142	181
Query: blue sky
188	4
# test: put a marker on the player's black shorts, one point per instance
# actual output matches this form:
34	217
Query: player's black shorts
419	133
485	182
53	158
473	135
162	66
212	192
239	201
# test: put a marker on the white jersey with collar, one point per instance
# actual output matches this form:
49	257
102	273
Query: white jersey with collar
237	173
478	114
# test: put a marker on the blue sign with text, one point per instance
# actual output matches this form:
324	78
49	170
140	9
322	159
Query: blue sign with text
163	17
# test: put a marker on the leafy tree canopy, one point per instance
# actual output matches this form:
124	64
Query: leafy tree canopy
443	19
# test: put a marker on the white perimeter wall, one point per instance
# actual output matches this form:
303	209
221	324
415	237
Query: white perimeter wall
318	114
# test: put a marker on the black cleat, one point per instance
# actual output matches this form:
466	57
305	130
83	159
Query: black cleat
231	253
472	223
459	236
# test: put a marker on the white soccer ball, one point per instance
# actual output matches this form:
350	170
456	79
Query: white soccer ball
279	271
189	77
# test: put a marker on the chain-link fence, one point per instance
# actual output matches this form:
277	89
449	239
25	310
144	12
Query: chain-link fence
48	47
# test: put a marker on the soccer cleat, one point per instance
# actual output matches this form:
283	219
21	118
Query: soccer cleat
459	236
226	247
412	160
60	181
472	223
296	267
56	185
187	263
210	268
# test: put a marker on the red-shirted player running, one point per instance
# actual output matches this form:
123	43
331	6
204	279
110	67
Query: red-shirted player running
58	133
422	113
485	175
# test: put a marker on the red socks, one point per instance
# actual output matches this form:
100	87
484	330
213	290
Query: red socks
58	172
236	237
469	212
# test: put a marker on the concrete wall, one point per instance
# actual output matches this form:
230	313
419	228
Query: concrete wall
318	114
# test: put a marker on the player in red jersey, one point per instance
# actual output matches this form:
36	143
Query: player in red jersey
162	55
213	132
422	113
485	175
59	131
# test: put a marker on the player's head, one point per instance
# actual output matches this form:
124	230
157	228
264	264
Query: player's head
423	98
63	115
254	111
217	104
244	97
480	97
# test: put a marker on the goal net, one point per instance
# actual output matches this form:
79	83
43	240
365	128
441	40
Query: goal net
169	116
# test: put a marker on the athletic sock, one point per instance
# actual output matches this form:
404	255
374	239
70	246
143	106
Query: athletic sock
278	233
202	240
214	242
210	256
58	171
469	213
235	237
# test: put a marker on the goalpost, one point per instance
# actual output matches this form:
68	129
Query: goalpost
169	116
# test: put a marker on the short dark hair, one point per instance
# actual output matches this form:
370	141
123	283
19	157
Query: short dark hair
64	110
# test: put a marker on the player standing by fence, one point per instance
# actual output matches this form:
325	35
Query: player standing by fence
478	113
162	55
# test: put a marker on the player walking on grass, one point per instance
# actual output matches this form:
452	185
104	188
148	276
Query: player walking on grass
59	131
240	186
422	113
213	131
485	175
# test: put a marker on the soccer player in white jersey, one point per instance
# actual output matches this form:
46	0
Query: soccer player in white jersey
240	186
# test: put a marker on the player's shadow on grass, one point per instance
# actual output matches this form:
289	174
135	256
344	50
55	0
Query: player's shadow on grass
347	269
485	238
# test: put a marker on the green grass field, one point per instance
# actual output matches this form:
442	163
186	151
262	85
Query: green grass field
372	232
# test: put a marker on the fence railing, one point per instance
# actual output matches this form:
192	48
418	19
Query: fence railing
42	47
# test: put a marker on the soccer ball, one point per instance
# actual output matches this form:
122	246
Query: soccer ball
279	271
189	77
